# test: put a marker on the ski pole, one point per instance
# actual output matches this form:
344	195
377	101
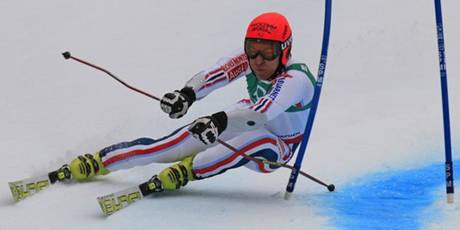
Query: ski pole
67	55
330	187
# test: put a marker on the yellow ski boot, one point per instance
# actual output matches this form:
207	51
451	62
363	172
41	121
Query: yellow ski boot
171	178
178	175
87	166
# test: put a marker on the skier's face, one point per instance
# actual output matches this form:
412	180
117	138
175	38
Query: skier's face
264	57
262	68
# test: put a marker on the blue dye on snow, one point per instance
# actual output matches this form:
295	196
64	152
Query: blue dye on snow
392	200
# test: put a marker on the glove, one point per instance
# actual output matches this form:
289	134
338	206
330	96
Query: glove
177	103
207	129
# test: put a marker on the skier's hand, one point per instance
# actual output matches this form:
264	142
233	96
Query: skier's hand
207	129
177	103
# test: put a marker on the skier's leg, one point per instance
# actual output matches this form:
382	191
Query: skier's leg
171	148
212	161
174	147
260	144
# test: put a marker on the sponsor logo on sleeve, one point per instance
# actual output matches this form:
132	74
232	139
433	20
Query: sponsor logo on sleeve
236	66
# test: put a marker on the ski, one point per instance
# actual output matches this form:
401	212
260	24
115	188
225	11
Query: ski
114	202
27	187
24	188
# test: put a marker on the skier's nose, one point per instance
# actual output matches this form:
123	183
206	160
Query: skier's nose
259	60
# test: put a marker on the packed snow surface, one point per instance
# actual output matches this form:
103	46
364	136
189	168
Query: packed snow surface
377	136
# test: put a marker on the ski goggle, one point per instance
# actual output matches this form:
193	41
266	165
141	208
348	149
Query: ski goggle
269	50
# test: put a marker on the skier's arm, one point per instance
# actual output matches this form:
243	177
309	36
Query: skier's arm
226	70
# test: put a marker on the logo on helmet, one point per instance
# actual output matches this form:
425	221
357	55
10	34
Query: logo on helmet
286	44
263	27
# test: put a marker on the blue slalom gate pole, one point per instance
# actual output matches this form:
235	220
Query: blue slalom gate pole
311	117
445	103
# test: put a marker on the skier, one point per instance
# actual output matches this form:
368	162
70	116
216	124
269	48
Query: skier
267	125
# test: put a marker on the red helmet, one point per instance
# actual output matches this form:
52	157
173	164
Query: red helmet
272	26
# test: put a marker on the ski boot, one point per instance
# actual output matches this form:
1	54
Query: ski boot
87	166
82	168
171	178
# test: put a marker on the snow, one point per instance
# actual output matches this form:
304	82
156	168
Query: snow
380	107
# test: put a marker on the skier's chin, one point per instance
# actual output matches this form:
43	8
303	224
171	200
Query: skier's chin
262	75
